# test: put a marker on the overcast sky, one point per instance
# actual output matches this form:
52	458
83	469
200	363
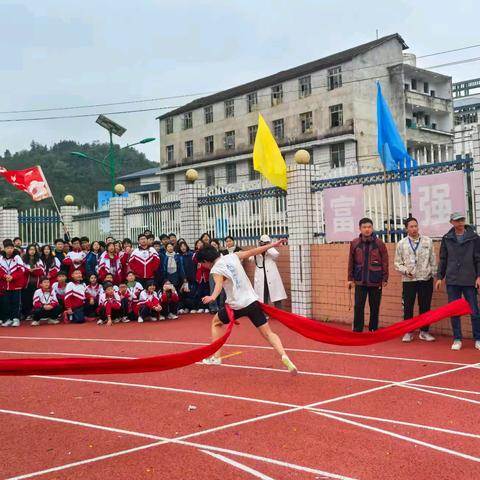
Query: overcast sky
56	53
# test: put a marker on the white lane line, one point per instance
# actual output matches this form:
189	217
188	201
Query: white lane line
396	422
234	345
252	420
332	375
166	440
401	437
238	465
456	397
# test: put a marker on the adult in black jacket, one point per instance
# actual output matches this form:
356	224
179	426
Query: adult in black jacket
459	266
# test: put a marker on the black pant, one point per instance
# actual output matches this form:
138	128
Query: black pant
169	307
115	313
39	313
11	304
423	289
90	310
27	299
374	297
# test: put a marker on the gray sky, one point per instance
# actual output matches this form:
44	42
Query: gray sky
57	53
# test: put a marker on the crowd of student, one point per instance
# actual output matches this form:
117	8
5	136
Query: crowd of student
108	282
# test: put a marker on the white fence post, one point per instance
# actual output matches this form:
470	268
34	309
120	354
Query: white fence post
476	174
118	228
68	211
189	212
8	223
301	221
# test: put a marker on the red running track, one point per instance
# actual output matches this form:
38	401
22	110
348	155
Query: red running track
388	411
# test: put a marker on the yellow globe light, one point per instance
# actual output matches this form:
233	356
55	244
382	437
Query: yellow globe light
119	189
191	175
302	157
68	199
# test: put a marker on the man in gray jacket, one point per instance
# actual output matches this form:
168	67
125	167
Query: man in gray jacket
460	266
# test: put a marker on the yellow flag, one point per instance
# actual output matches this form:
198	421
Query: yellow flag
267	158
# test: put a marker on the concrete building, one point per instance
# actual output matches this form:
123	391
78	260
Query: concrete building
327	106
467	116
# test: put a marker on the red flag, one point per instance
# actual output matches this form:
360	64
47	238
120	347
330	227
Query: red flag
31	181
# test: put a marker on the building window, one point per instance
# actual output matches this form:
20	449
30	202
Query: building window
189	149
426	88
170	151
208	113
278	129
230	140
277	95
252	173
210	176
304	86
171	182
334	78
209	145
231	172
187	120
252	102
252	133
337	155
169	125
229	108
413	83
306	122
336	115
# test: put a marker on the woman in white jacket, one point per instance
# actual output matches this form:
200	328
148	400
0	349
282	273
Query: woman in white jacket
268	282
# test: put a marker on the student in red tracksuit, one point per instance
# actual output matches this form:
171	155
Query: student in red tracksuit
33	271
134	290
149	304
45	304
109	305
75	298
92	296
109	262
11	283
125	300
59	288
169	300
75	259
144	261
51	264
202	278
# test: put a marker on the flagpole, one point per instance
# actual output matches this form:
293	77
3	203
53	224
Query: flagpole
388	234
67	233
262	209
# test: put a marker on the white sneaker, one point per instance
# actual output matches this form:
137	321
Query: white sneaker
161	317
7	323
289	364
186	310
477	344
181	311
125	319
153	319
426	336
172	316
53	321
140	320
15	322
212	360
193	311
99	322
35	323
407	338
456	345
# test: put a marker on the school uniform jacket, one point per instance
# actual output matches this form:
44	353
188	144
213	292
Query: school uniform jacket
59	291
147	299
52	272
108	265
93	292
110	302
75	260
41	299
173	298
11	266
75	295
35	274
144	262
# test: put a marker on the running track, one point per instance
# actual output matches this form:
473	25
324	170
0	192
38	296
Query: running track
388	411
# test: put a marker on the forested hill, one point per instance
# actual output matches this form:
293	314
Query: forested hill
67	174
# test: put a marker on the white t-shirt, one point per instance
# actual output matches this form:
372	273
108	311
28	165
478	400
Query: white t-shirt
237	286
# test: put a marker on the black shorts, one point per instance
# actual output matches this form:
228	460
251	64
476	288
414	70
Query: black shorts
252	311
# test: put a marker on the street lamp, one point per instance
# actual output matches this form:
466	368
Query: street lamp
108	162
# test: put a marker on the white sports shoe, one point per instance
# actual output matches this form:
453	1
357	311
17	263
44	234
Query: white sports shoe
193	311
125	319
426	336
212	360
7	323
457	345
16	322
477	344
99	322
161	317
140	320
35	323
407	338
181	311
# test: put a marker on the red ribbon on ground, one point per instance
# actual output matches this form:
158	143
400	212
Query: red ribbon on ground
95	366
336	336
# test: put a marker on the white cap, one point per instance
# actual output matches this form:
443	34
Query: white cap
265	239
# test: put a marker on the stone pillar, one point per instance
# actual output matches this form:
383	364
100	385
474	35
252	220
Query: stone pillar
190	221
301	222
68	212
118	226
9	227
476	173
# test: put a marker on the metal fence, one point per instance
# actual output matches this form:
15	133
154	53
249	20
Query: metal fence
93	224
40	225
383	193
244	214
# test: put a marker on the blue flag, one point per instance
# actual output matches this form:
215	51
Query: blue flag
391	148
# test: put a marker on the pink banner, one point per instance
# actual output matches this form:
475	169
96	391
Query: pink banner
343	208
434	198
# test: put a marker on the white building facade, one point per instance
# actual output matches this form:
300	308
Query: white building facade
327	106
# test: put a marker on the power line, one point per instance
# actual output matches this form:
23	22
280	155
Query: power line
155	99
